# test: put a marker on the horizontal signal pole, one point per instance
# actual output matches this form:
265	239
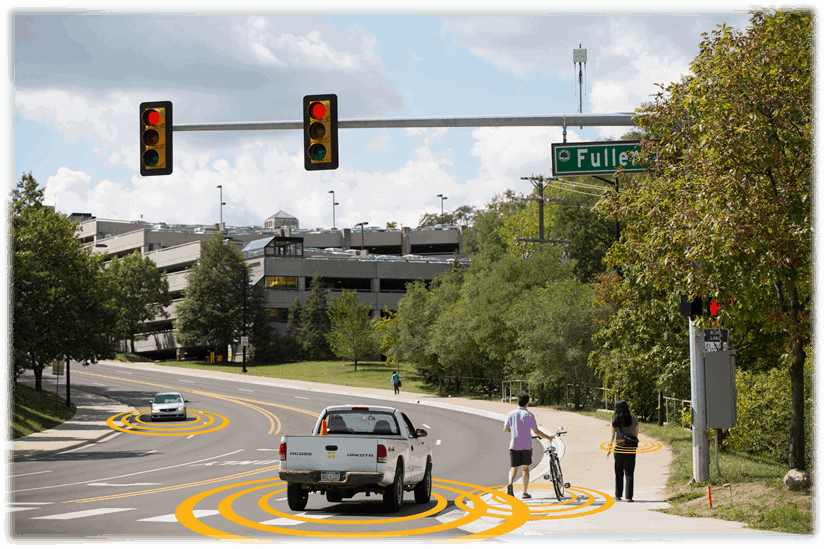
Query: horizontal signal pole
559	120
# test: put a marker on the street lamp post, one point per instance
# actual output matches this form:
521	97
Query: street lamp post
361	232
333	209
442	197
222	203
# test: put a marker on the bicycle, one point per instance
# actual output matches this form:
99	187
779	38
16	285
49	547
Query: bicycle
555	472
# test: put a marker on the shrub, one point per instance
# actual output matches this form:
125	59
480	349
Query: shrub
763	409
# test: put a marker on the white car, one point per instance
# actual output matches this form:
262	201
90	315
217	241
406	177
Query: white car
168	405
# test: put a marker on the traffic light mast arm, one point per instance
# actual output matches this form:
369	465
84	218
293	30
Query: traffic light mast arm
559	120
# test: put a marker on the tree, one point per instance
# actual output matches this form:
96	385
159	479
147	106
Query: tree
142	293
309	320
462	215
63	305
727	211
211	312
351	333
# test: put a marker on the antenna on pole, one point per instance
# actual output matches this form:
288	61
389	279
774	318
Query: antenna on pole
579	55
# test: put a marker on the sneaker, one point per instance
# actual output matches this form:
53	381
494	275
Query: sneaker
630	500
526	496
617	498
509	490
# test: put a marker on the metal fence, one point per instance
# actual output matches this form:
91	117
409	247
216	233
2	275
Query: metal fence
677	410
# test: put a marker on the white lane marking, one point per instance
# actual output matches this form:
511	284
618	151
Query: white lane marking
438	442
246	390
27	474
171	518
425	425
33	503
185	381
281	499
96	383
290	522
86	513
131	484
9	509
130	474
302	398
147	453
188	437
268	449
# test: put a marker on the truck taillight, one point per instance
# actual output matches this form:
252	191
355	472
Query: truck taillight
283	451
381	453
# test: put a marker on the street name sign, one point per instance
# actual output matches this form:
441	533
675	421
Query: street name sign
597	157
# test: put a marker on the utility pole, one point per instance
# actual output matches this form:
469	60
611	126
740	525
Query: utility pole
698	386
538	183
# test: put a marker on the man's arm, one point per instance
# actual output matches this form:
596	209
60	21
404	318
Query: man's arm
542	434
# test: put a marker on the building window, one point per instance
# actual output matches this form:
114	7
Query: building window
282	282
278	315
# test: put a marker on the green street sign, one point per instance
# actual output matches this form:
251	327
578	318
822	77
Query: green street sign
598	157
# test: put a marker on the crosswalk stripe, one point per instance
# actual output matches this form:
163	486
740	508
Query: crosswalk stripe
86	513
171	518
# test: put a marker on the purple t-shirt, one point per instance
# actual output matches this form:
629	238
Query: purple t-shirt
520	423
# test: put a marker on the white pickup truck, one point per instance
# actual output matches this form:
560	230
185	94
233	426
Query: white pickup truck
372	449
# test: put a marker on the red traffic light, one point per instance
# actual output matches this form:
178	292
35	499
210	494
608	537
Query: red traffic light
320	132
156	138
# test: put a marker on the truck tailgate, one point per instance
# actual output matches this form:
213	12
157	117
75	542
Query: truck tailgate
331	454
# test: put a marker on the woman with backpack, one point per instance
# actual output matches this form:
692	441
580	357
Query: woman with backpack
624	428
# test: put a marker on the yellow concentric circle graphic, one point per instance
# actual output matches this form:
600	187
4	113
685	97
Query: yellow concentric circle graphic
644	446
132	422
477	502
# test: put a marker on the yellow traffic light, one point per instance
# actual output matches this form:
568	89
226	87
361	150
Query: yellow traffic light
320	132
156	138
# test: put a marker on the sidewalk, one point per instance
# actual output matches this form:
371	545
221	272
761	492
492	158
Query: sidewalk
584	464
88	425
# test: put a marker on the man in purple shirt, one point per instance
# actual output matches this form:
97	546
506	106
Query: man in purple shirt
520	423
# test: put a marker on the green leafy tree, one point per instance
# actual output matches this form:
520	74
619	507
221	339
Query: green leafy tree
484	238
555	324
211	311
351	335
417	311
142	293
309	321
388	330
727	211
462	215
63	304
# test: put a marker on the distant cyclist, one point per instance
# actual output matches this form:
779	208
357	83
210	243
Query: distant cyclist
396	382
520	423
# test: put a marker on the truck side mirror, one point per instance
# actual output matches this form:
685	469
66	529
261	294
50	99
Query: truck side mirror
420	433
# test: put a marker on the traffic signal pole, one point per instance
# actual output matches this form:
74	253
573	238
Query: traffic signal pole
698	386
559	120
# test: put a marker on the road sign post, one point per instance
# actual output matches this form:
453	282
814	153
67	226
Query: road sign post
598	157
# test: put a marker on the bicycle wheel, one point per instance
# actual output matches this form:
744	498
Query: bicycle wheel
557	477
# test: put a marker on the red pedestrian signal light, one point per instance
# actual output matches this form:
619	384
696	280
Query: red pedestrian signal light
320	132
156	138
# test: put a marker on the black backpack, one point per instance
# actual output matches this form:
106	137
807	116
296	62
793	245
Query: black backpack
629	441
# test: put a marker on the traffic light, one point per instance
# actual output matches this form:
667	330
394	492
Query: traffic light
320	132
156	138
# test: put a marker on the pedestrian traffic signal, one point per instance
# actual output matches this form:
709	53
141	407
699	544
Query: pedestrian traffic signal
320	132
691	307
156	138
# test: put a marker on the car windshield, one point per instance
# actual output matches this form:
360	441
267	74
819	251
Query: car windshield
167	399
361	423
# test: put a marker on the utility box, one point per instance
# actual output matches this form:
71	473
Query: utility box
719	368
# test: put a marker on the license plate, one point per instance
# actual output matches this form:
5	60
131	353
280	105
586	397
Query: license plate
329	476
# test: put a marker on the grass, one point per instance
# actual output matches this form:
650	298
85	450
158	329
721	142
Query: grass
35	412
748	490
374	375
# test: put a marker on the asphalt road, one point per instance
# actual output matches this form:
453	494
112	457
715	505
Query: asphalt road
215	474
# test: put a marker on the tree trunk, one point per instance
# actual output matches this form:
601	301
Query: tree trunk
797	443
38	378
660	408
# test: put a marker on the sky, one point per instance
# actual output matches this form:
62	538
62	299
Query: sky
77	79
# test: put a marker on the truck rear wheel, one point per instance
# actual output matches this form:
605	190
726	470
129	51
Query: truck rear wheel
296	496
393	496
423	490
